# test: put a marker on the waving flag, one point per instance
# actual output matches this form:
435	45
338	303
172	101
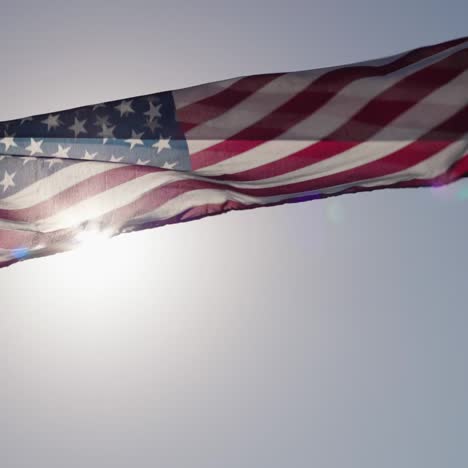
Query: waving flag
261	140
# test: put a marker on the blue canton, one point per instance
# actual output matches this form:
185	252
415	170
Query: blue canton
141	130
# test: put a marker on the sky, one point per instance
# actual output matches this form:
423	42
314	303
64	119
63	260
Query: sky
330	333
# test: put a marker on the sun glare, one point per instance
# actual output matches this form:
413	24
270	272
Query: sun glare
93	253
92	239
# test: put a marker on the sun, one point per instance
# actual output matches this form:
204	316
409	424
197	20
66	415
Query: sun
92	239
93	254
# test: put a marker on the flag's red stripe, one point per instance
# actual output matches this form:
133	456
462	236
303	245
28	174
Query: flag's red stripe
376	115
213	106
12	239
304	104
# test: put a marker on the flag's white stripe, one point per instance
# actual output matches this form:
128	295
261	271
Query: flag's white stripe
52	185
186	96
323	122
250	110
18	225
406	128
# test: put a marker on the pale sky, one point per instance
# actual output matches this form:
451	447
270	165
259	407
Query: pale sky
330	333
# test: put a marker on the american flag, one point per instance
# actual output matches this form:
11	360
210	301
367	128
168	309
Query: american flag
261	140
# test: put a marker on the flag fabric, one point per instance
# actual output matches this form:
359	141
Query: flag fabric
248	142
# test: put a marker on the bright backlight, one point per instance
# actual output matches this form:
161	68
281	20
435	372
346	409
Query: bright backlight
92	239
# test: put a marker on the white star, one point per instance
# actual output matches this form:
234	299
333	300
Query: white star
89	155
62	152
153	111
101	120
125	107
54	161
163	143
106	132
135	140
97	106
7	180
52	121
168	165
115	159
35	147
8	141
78	127
143	163
152	125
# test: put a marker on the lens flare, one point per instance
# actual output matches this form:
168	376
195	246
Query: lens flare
335	212
20	252
442	192
462	194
